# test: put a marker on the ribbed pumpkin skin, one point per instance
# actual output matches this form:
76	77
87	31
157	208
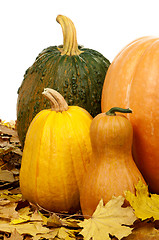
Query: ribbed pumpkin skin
112	170
79	78
133	80
56	155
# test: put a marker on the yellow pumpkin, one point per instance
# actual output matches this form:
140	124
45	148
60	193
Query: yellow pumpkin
112	170
56	154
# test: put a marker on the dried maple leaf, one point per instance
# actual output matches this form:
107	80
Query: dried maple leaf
10	148
109	219
23	216
54	221
25	228
14	236
145	231
57	233
7	195
16	215
71	223
6	176
8	211
65	233
37	216
50	235
145	205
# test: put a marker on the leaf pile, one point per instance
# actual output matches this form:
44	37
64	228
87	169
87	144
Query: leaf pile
21	220
10	155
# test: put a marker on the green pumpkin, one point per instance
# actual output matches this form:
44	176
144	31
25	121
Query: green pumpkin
77	73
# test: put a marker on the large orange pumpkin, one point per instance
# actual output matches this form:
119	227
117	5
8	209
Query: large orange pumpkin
133	81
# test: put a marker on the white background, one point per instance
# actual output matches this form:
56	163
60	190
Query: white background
27	27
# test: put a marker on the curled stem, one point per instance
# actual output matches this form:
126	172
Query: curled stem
112	111
57	101
70	45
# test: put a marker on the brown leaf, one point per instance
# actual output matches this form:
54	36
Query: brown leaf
50	235
36	217
71	223
146	231
4	202
28	238
4	130
9	212
9	142
8	134
6	176
14	236
54	221
25	228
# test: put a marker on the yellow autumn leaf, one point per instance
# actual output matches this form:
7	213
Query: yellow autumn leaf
23	216
11	124
65	233
109	219
11	197
145	205
25	228
50	235
56	233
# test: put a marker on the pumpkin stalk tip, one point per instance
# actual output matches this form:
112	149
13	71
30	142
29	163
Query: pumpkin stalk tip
70	45
112	111
57	101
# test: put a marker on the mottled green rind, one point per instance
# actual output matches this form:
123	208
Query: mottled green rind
78	78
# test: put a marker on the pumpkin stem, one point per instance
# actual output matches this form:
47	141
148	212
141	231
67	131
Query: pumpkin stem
112	111
70	45
57	101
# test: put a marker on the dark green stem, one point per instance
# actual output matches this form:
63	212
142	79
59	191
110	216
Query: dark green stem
112	111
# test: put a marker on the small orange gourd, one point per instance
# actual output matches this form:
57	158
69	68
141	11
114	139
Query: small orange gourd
56	153
112	170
